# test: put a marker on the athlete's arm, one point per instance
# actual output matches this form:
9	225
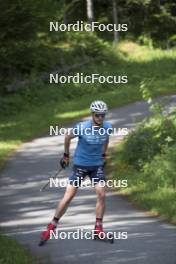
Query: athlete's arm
105	148
67	140
64	162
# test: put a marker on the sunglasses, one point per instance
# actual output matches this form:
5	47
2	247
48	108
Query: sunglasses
100	115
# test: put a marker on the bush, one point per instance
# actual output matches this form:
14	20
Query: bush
145	40
150	138
162	169
172	41
147	159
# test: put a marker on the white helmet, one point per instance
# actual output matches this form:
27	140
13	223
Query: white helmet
98	107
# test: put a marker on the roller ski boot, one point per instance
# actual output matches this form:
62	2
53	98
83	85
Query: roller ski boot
45	235
100	234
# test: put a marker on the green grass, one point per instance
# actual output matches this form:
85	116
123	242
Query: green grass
29	113
27	125
13	253
153	186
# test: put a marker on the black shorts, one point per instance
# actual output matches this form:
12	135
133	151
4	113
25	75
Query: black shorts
78	174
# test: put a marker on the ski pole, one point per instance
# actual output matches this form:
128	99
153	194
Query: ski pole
55	175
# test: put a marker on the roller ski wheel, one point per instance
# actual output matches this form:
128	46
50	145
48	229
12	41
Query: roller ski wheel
45	235
99	234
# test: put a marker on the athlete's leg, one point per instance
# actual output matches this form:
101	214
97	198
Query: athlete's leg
100	204
63	204
75	180
99	179
61	208
100	208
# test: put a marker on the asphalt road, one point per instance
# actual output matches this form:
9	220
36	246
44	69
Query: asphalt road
24	211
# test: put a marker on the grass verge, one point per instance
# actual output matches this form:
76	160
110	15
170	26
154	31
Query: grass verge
13	253
28	113
146	158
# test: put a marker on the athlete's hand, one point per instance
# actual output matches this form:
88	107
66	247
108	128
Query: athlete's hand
64	162
104	156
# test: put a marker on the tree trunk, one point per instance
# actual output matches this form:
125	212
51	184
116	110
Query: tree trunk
115	19
159	3
65	13
90	11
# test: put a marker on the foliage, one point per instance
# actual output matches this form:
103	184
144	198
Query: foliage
29	112
147	160
23	50
20	46
150	137
153	186
137	62
161	171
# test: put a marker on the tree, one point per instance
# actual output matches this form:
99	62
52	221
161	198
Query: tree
115	18
90	11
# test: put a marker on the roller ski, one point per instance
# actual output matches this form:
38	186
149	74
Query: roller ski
45	235
99	234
